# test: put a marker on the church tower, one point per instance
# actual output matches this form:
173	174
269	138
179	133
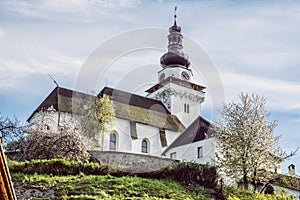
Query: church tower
175	88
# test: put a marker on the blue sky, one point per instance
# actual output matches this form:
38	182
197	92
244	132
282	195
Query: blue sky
254	46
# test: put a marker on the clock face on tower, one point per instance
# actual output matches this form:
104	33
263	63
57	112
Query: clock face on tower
185	75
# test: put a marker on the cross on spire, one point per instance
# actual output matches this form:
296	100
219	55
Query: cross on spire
175	16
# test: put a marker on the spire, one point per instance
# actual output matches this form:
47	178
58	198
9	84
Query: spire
175	57
175	16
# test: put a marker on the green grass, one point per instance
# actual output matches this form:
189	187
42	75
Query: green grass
88	187
109	187
76	180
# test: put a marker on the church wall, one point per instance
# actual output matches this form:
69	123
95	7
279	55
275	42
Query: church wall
171	136
151	134
126	144
122	129
51	118
174	97
185	96
131	162
189	152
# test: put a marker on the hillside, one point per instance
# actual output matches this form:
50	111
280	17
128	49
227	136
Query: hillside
61	179
101	187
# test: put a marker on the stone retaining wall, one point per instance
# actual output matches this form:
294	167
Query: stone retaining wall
130	162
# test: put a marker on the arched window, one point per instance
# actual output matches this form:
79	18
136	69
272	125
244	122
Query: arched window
145	146
113	141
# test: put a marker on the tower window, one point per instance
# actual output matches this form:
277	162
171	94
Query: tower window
145	146
186	108
200	152
113	142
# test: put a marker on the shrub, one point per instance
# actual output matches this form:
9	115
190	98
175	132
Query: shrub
57	166
238	194
187	174
47	141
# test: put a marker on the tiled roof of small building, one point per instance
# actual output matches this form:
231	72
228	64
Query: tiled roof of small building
285	181
199	130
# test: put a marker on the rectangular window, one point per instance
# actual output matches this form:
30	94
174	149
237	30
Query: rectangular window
200	152
173	156
186	108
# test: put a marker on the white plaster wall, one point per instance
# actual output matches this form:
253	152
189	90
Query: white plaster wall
171	136
124	141
51	118
175	104
189	152
127	144
152	134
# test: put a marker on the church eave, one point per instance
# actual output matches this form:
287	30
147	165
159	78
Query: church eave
175	81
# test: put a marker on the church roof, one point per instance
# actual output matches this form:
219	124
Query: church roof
134	100
142	109
61	100
175	81
199	129
127	106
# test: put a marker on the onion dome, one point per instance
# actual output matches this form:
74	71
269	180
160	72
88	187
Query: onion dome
175	57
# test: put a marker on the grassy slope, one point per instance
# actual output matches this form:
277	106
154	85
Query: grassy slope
74	184
88	187
109	187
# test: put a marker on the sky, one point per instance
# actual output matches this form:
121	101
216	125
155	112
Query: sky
253	46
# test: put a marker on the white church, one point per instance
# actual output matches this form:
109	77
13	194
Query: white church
166	123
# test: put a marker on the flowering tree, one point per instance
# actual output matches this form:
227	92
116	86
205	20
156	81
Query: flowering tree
12	133
45	141
248	152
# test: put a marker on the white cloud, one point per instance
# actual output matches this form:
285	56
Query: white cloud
281	95
79	10
2	33
70	5
47	61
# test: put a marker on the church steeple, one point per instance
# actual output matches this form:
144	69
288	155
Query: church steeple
175	87
175	57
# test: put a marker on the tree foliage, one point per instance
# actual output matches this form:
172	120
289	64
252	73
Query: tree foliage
12	133
46	141
95	115
248	152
